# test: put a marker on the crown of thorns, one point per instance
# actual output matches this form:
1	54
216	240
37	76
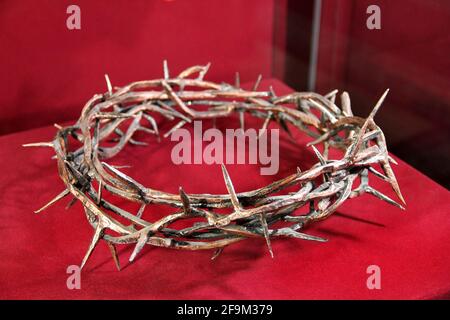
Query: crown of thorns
321	189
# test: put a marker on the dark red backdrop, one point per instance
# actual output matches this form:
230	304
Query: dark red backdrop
409	55
47	71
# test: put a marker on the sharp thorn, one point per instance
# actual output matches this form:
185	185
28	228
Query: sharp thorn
378	105
123	176
121	167
185	201
266	233
114	254
175	127
331	93
242	120
166	70
139	245
362	131
378	174
237	80
393	181
55	199
38	144
176	99
217	253
230	188
99	231
392	160
108	84
346	104
305	236
285	127
257	82
319	155
382	196
202	73
138	143
272	92
265	124
71	203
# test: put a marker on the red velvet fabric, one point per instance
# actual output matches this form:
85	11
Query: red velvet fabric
49	71
411	247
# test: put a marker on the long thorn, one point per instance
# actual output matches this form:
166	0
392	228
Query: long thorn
166	70
362	131
230	188
346	104
202	73
114	254
185	201
319	155
257	82
99	231
383	197
55	199
108	84
263	220
175	127
265	124
242	120
139	245
392	180
38	144
217	253
378	174
176	99
272	92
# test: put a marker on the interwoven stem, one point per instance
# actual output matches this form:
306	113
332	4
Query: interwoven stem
322	188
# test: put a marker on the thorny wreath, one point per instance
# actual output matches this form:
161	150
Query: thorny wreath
321	189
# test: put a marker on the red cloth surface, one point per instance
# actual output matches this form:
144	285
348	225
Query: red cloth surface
411	247
48	70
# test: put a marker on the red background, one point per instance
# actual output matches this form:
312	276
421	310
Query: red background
48	72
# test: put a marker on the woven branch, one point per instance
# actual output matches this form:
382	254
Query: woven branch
253	213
